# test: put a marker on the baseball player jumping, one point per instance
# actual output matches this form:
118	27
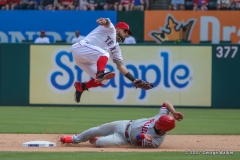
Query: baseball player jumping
92	53
145	132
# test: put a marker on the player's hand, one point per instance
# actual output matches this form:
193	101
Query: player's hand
178	116
102	21
148	137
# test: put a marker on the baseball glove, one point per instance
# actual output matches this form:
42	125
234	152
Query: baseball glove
142	84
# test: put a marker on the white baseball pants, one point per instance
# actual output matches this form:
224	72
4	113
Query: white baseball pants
86	56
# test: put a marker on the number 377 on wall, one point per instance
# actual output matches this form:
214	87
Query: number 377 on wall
226	51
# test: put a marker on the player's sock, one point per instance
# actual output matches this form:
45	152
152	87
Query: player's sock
101	63
92	83
84	86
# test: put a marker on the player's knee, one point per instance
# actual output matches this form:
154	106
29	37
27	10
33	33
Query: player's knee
100	143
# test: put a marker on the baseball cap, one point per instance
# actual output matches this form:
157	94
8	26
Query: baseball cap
124	25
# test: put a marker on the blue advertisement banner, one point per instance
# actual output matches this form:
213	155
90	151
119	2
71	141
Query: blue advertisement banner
16	26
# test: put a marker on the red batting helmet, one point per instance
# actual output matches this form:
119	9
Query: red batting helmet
165	123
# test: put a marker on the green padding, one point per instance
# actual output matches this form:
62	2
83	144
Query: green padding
226	76
0	71
135	19
14	74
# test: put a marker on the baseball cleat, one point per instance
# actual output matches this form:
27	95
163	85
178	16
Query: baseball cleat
79	90
66	139
77	96
104	76
93	140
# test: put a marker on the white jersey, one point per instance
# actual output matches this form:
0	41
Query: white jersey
105	39
145	125
42	40
77	39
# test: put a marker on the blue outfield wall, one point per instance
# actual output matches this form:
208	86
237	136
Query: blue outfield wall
16	26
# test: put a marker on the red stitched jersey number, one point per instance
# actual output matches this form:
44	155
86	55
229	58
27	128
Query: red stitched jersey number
226	51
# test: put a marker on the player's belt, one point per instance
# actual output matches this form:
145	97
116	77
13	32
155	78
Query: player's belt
126	131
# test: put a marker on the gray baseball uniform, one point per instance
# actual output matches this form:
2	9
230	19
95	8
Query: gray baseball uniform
122	132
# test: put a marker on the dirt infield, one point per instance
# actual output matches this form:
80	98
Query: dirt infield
13	142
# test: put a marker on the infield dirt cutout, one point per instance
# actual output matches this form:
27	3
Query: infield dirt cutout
13	142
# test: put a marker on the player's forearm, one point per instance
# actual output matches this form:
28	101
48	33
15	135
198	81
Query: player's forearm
123	69
135	141
127	74
138	139
169	107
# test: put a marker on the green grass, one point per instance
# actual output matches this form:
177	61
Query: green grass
113	156
76	119
71	120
